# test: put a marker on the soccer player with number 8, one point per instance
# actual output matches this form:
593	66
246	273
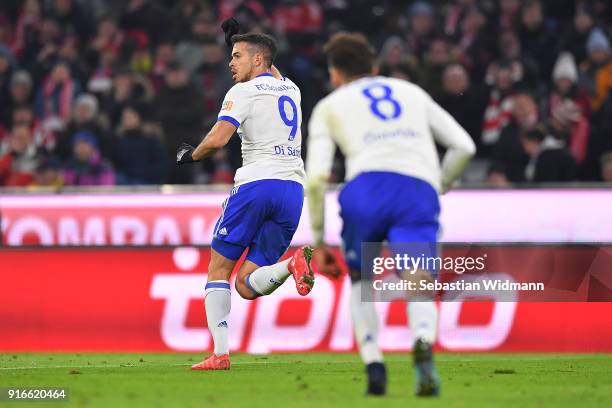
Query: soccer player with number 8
264	208
387	129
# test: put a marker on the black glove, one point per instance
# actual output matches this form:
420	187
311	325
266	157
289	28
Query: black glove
183	154
230	27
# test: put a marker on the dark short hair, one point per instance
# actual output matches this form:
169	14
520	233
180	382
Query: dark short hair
263	42
350	53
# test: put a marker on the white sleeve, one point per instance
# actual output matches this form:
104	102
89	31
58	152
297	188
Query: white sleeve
236	105
319	161
321	147
460	146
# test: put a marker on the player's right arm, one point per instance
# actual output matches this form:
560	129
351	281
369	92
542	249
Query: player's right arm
321	149
459	145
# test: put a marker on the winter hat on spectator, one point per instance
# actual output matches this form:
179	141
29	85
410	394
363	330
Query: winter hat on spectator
565	67
421	8
21	77
598	41
89	100
85	136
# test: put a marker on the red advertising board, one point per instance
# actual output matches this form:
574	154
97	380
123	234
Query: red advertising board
151	299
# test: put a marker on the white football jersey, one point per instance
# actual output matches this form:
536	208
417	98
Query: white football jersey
267	113
383	124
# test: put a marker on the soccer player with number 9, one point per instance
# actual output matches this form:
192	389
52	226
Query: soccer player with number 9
264	208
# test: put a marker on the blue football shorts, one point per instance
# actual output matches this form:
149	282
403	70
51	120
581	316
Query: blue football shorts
262	216
379	206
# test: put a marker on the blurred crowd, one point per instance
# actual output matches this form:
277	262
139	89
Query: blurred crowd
101	92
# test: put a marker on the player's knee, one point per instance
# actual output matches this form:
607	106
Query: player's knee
243	289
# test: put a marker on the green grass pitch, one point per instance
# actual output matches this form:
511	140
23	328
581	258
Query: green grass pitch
310	380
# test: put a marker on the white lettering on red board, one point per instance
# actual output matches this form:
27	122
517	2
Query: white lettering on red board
266	335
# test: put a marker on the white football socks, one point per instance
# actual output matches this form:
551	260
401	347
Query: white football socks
217	302
267	279
423	320
365	326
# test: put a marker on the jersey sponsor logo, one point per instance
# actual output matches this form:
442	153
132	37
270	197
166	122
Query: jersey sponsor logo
227	105
223	231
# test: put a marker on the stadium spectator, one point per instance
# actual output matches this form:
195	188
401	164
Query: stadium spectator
87	167
40	48
73	19
606	167
108	37
213	78
164	55
435	61
476	46
184	13
463	100
85	117
569	108
502	76
145	17
509	153
577	34
20	93
538	41
188	51
18	162
128	88
28	23
7	62
508	13
455	17
597	71
422	28
55	97
549	160
300	22
496	176
48	175
525	70
180	109
24	115
21	88
140	158
393	60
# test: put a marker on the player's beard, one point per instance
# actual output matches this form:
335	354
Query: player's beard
245	77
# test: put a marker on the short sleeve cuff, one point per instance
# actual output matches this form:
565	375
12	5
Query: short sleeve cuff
230	120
